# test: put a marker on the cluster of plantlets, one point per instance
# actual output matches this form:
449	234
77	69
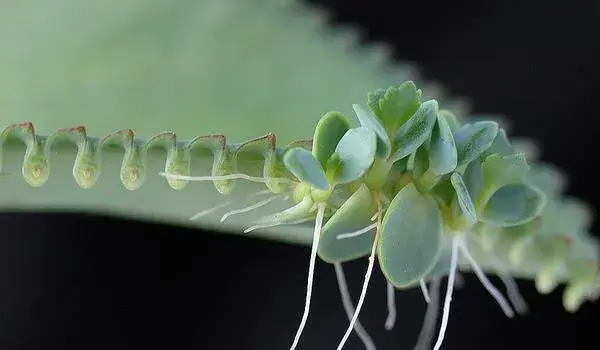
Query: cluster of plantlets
436	190
408	183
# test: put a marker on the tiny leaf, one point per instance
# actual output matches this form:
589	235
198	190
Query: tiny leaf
368	119
355	214
416	130
473	178
473	139
513	205
442	149
498	171
420	162
450	119
501	145
356	151
395	105
411	237
463	198
302	164
329	131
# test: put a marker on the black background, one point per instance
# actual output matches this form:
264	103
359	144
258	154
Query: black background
93	282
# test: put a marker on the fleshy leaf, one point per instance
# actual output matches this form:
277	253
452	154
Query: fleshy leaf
420	162
513	205
355	214
411	237
450	119
473	178
356	151
442	265
442	149
303	165
395	105
416	130
501	145
473	139
463	198
368	119
551	180
329	131
498	171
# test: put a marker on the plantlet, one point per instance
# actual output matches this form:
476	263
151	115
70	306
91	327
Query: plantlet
407	183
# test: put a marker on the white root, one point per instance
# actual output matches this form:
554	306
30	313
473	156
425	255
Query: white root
349	308
210	210
431	315
311	272
448	297
258	227
390	321
362	295
356	233
424	290
515	297
250	208
226	177
512	289
485	281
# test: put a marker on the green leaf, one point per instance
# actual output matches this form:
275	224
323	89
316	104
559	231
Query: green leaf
501	145
551	180
416	130
473	139
355	214
411	237
368	119
450	119
463	198
303	165
513	205
420	162
395	105
443	157
441	268
356	151
473	178
329	131
498	171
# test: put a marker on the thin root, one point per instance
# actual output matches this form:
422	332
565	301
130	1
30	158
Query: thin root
390	321
250	208
485	281
258	227
349	308
424	290
226	177
431	315
356	233
512	289
311	272
448	297
208	211
367	278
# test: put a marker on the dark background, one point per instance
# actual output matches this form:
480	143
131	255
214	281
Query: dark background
146	286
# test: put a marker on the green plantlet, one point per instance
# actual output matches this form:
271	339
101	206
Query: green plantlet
408	185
